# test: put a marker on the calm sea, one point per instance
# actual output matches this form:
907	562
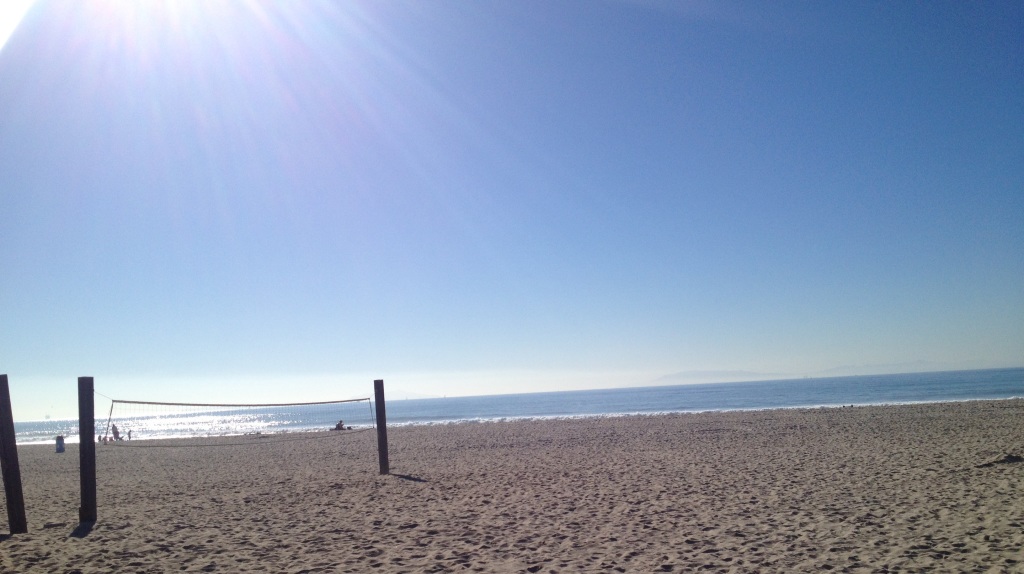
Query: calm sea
810	392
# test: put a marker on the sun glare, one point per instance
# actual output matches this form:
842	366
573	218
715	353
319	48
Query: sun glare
11	13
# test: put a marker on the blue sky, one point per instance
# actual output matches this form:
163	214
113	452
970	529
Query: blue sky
208	201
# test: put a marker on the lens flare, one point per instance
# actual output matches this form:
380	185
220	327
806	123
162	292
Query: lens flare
11	13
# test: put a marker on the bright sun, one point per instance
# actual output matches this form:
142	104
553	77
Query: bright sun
11	12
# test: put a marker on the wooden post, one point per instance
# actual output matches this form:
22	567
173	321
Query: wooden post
9	463
382	427
87	449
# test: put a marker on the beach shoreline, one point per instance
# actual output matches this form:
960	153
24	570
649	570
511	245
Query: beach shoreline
902	488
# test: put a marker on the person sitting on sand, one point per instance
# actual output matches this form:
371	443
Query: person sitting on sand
340	425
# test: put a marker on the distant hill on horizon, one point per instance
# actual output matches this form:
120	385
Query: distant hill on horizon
733	376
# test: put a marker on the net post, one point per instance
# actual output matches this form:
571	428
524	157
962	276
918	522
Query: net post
87	449
110	417
382	426
9	463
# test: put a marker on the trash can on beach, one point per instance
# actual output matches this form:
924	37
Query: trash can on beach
60	443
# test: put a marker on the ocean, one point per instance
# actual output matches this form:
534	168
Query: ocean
163	422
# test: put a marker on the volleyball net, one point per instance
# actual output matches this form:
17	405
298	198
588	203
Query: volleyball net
130	421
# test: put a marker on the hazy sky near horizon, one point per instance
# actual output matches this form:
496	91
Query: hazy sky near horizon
208	201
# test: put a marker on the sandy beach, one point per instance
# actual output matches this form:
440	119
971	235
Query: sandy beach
917	488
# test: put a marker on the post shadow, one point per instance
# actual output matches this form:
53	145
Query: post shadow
82	530
409	477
